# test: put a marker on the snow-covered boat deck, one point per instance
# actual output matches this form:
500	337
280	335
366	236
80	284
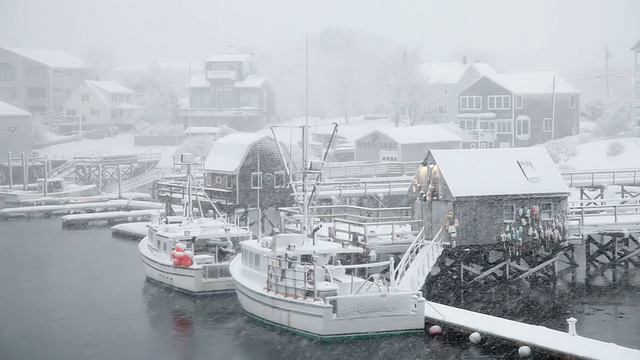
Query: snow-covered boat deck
536	337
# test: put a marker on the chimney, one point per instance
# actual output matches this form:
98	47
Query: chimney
464	59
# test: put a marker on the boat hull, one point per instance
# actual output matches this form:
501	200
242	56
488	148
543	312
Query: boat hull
189	280
321	321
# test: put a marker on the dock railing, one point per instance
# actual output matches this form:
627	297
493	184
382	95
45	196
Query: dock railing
366	230
594	178
613	214
426	252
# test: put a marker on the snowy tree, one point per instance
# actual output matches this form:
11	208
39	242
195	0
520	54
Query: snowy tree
407	91
612	117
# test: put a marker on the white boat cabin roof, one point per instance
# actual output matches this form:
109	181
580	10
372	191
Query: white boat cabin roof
293	244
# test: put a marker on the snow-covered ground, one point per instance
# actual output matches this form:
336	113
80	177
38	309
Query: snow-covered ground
120	144
592	155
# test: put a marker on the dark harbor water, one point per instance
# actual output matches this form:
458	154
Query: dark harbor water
82	295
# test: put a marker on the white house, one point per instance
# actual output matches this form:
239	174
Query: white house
99	104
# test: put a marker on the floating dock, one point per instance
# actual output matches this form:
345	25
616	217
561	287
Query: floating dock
534	337
83	199
109	218
97	207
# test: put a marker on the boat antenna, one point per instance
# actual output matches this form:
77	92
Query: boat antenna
190	129
305	200
187	211
258	189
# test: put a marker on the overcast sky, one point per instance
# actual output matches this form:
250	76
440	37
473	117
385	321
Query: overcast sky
564	35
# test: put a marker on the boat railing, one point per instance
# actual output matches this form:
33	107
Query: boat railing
292	278
432	253
372	278
396	230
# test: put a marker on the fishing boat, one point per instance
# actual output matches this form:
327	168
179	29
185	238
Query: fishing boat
192	255
320	288
56	187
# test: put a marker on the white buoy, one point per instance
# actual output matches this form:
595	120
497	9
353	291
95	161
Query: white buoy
129	219
475	338
435	330
524	351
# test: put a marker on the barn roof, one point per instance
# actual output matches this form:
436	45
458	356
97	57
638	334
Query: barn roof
10	110
486	172
52	58
416	134
228	154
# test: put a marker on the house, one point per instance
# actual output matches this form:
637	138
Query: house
229	92
99	104
39	80
490	192
242	165
518	109
636	82
404	144
444	80
15	130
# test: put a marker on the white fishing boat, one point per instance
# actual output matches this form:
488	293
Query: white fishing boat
56	187
192	255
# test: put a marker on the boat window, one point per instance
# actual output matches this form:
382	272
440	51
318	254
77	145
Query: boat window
164	246
158	246
306	258
256	263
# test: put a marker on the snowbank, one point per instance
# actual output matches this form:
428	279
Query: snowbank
593	156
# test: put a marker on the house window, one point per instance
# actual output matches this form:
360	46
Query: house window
546	124
227	92
509	213
229	182
69	72
388	156
121	97
35	73
546	211
572	101
468	124
57	90
36	93
113	114
442	109
504	127
466	77
519	102
218	180
470	102
57	72
487	125
279	179
219	92
114	97
483	145
7	72
256	180
473	76
13	130
523	127
8	93
128	97
95	111
71	112
84	97
499	102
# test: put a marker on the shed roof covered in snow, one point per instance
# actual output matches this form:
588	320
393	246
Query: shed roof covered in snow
7	110
52	58
488	172
533	83
451	72
419	134
228	154
230	58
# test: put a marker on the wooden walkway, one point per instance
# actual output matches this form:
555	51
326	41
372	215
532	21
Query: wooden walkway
536	337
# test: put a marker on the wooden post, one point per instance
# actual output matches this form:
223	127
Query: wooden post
10	170
45	185
100	177
119	182
25	172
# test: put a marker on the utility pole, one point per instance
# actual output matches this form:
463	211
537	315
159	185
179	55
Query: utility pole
607	54
553	109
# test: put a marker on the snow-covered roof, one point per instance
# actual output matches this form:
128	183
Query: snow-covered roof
203	130
417	134
478	116
636	45
228	153
251	81
533	83
198	81
451	72
229	58
52	58
109	86
10	110
486	172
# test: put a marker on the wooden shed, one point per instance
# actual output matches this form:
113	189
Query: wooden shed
489	193
242	165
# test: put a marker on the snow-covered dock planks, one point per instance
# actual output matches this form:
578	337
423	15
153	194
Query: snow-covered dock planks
536	337
48	210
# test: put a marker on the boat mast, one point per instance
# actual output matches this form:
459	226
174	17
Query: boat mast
187	212
305	200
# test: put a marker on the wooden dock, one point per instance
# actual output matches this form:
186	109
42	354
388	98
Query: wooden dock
537	338
97	207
